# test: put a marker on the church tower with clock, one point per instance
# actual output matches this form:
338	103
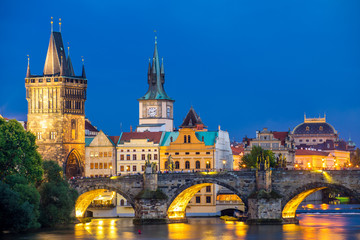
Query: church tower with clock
156	107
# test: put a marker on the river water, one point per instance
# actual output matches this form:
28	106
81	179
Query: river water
331	226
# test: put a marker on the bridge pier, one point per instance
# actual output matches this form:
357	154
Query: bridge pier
150	203
264	205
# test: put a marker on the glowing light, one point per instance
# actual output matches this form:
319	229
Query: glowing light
208	173
296	165
324	206
178	206
290	208
84	201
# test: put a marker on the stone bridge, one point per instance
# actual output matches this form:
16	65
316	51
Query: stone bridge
269	196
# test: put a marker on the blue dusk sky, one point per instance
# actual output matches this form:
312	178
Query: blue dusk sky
242	64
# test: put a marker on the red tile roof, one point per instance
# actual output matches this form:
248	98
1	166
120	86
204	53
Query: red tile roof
281	136
310	152
90	127
150	136
115	139
237	150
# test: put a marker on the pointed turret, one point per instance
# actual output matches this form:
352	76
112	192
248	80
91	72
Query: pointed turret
54	53
69	65
83	74
28	74
156	78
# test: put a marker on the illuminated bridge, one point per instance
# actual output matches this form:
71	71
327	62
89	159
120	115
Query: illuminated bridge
269	196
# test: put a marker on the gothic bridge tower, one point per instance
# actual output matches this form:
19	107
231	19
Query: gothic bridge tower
56	109
156	107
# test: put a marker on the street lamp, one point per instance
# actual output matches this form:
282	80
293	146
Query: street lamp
224	163
111	170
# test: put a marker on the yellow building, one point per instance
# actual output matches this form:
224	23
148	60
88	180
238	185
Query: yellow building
330	160
193	148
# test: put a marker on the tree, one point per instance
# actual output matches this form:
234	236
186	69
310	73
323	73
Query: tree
57	198
251	159
18	155
20	170
355	157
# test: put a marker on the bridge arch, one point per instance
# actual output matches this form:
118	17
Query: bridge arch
87	195
176	205
291	202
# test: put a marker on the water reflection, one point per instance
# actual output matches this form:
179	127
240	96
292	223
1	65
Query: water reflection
312	226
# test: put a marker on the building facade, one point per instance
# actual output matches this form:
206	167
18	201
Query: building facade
100	156
312	159
193	148
314	131
156	107
56	109
280	143
135	148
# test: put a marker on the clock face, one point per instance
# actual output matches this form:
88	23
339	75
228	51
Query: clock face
152	111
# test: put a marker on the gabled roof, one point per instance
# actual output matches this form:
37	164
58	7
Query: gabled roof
88	140
90	127
237	150
114	139
191	120
150	136
281	136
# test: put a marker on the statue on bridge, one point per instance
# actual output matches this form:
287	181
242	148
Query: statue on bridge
150	165
263	163
169	164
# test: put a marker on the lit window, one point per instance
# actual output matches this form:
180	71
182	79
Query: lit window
52	135
38	135
128	157
105	165
122	157
96	154
121	168
96	165
100	154
109	154
91	166
91	154
155	156
134	168
105	154
100	165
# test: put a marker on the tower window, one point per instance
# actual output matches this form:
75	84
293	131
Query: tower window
73	129
184	138
48	80
189	138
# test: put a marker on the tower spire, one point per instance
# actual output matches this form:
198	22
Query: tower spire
59	24
51	22
69	63
28	74
83	75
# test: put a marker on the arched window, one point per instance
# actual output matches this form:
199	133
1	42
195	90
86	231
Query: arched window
177	165
189	139
187	165
73	129
184	138
197	165
122	202
208	164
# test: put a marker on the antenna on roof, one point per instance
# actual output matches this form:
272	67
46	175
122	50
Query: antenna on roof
28	57
59	24
51	22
